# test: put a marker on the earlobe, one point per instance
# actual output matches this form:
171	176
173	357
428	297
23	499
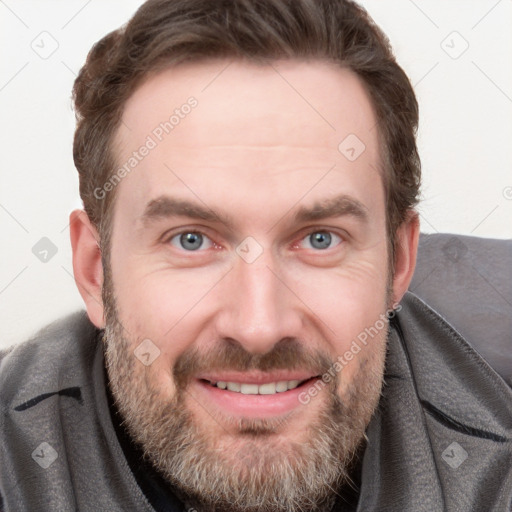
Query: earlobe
87	265
406	247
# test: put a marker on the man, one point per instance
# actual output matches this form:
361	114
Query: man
249	175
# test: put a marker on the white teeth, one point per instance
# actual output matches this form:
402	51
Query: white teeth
293	384
249	389
234	386
269	388
281	386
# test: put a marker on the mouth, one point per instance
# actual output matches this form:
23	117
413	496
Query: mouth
269	388
253	395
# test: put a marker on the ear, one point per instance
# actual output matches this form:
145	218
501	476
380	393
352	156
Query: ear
87	266
406	247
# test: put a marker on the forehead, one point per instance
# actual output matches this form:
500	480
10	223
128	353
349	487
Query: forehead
230	123
321	100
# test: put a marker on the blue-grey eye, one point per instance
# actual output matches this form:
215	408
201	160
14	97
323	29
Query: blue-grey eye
191	241
321	240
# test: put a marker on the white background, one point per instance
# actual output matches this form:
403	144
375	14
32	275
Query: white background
464	140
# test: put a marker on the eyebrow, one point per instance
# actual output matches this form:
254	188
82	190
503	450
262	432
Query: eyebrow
165	206
338	206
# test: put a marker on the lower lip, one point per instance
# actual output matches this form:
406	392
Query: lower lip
252	406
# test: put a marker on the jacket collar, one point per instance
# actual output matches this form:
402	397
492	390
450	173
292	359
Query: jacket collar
441	436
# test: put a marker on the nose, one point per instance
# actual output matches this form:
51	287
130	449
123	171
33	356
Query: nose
258	309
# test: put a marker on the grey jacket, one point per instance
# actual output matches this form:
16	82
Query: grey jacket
440	440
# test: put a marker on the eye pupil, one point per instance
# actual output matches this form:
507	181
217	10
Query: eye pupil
320	240
191	241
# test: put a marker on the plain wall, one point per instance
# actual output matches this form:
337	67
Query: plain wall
457	54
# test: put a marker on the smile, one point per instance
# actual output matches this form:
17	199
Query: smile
269	388
252	394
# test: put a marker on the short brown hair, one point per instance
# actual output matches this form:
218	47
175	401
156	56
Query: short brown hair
163	33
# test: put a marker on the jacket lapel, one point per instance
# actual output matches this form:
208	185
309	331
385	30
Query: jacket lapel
441	436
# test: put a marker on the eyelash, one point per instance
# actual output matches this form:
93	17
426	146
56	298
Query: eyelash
295	245
205	238
332	234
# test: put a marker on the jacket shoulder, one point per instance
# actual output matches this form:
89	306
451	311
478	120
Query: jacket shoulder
468	280
47	360
448	371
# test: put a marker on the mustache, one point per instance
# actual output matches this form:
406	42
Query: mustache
229	354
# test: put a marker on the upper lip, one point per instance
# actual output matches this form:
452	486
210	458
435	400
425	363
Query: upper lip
256	377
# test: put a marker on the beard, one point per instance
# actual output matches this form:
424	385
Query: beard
258	469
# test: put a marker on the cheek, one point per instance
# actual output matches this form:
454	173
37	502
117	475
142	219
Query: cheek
363	287
354	291
169	308
155	301
354	304
347	300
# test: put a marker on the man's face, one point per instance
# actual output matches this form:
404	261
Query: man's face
249	247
